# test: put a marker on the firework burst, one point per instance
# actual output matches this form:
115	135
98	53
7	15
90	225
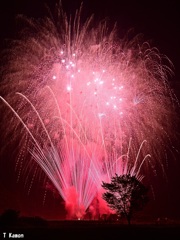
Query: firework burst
84	104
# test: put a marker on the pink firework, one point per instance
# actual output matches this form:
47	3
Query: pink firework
85	105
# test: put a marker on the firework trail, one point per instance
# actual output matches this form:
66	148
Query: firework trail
84	105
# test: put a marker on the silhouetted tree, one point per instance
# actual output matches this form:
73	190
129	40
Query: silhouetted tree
9	217
125	194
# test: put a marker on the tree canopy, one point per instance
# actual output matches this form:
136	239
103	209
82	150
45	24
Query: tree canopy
125	194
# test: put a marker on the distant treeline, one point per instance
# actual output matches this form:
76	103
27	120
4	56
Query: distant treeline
11	217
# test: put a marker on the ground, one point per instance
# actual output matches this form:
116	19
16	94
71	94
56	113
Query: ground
160	229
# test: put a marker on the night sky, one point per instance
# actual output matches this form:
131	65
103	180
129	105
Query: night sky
159	23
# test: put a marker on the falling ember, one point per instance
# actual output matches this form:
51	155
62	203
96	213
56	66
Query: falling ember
89	104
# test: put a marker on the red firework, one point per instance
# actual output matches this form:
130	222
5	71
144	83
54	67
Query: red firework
86	105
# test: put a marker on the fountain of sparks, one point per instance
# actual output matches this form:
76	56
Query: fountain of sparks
86	105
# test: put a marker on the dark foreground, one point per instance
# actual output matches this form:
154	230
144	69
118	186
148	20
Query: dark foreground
91	230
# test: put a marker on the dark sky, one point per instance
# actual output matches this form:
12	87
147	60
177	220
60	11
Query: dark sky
159	23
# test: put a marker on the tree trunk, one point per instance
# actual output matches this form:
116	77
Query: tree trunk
129	219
